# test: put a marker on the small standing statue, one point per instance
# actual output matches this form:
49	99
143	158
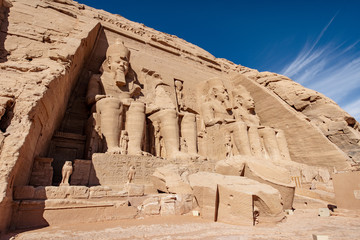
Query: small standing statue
66	173
124	139
256	215
131	174
228	146
157	137
179	94
183	145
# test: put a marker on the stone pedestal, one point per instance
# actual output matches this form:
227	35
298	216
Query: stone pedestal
112	169
42	172
81	172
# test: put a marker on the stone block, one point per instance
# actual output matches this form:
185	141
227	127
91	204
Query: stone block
42	172
261	171
235	206
347	187
184	203
81	173
53	192
78	192
167	205
168	179
40	193
135	189
320	237
151	206
99	191
324	212
116	194
214	203
24	192
111	169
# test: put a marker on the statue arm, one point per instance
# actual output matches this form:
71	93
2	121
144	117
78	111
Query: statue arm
209	116
94	90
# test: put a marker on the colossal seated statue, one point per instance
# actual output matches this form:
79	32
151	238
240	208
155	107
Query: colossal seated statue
114	93
244	106
216	111
234	115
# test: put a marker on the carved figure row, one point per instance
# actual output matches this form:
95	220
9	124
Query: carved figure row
120	114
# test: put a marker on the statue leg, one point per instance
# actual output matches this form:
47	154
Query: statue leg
241	138
66	182
270	142
283	147
110	110
169	130
135	126
255	142
189	132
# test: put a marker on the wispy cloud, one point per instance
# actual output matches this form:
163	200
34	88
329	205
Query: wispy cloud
307	55
331	68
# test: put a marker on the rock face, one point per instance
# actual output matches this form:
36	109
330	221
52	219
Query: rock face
77	82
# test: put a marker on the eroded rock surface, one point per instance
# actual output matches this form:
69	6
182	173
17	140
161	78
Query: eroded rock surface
235	199
80	84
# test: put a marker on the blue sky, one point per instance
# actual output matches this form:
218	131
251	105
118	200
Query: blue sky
316	43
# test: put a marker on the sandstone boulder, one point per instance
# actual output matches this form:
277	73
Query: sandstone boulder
234	199
171	179
262	171
151	206
167	204
248	204
135	189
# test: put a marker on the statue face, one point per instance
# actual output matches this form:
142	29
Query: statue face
248	101
245	100
222	95
178	85
117	62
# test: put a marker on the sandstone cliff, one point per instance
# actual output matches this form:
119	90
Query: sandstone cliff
47	46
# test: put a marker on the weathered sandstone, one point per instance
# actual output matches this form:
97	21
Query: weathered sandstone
117	100
235	199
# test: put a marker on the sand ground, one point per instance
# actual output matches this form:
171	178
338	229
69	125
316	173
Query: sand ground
301	225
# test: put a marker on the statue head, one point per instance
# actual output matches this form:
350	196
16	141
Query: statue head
68	163
125	132
117	59
218	91
178	84
242	98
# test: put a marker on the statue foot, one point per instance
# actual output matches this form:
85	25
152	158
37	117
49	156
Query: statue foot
114	150
181	156
142	153
198	157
